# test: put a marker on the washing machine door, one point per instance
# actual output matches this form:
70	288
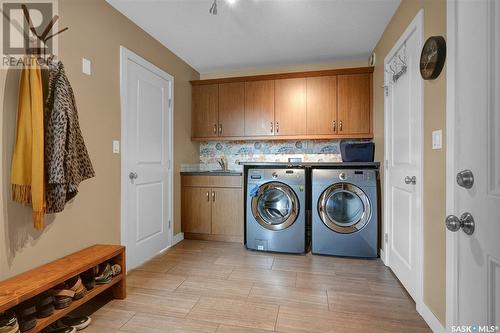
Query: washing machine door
275	206
344	208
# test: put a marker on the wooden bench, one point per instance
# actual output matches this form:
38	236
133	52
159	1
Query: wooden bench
27	285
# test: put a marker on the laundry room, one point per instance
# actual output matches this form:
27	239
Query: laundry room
249	166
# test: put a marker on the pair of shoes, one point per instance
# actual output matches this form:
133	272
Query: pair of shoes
26	315
66	292
8	322
107	272
69	324
88	277
44	304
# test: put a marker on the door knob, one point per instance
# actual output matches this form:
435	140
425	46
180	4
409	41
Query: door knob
132	176
410	180
466	222
465	178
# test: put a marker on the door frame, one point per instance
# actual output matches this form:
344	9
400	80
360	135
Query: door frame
125	55
417	25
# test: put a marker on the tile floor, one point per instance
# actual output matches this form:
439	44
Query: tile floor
201	286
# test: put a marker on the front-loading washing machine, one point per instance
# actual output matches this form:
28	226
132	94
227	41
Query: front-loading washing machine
344	212
275	210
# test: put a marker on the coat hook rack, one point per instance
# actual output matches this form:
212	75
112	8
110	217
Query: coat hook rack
43	37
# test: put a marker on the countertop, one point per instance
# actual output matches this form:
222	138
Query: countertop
314	164
211	173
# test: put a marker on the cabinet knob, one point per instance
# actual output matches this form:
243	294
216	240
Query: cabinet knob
208	196
334	126
271	127
213	196
340	126
215	128
220	129
277	127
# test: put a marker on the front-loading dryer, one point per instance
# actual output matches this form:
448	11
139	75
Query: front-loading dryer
344	212
275	210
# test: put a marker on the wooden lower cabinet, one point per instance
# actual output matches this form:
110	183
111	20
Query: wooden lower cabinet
196	207
212	208
227	211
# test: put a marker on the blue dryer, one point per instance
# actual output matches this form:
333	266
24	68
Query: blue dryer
344	212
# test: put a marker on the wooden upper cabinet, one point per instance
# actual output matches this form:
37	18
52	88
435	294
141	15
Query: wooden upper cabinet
290	103
354	104
259	108
232	109
322	105
205	108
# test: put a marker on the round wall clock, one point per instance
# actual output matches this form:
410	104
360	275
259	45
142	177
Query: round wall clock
432	57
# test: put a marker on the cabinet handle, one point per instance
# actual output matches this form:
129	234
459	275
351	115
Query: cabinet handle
213	196
340	126
208	196
271	127
220	129
334	126
277	127
215	128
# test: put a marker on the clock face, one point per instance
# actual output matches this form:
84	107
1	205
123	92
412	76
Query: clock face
432	57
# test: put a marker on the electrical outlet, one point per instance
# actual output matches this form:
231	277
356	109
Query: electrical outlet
437	139
86	66
116	147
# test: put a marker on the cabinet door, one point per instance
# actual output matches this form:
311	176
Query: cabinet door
354	99
259	108
205	111
196	210
322	105
232	109
290	113
227	211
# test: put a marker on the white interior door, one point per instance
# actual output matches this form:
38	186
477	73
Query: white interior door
146	158
403	181
474	144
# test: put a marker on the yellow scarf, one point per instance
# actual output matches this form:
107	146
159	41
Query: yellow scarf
27	162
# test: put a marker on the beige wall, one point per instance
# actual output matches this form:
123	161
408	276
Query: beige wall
96	31
287	69
434	160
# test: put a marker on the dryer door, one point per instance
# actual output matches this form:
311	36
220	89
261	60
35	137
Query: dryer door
275	206
344	208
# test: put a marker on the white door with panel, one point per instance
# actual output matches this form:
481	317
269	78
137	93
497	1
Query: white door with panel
403	149
473	238
146	158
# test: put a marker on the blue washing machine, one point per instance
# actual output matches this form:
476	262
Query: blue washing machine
344	212
275	213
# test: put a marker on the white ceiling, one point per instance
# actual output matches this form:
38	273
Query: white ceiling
262	33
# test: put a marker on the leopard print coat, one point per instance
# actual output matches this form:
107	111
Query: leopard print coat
67	161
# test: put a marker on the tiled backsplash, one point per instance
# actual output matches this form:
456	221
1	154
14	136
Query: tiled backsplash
268	151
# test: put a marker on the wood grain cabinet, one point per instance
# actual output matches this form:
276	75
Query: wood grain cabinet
331	104
259	108
232	109
354	104
322	105
212	208
290	107
205	109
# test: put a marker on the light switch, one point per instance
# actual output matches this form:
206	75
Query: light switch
86	66
116	146
437	139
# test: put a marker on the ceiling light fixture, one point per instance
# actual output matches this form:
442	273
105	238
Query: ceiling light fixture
213	9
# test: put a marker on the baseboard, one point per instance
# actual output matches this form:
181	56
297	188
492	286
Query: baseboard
382	256
177	238
430	319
